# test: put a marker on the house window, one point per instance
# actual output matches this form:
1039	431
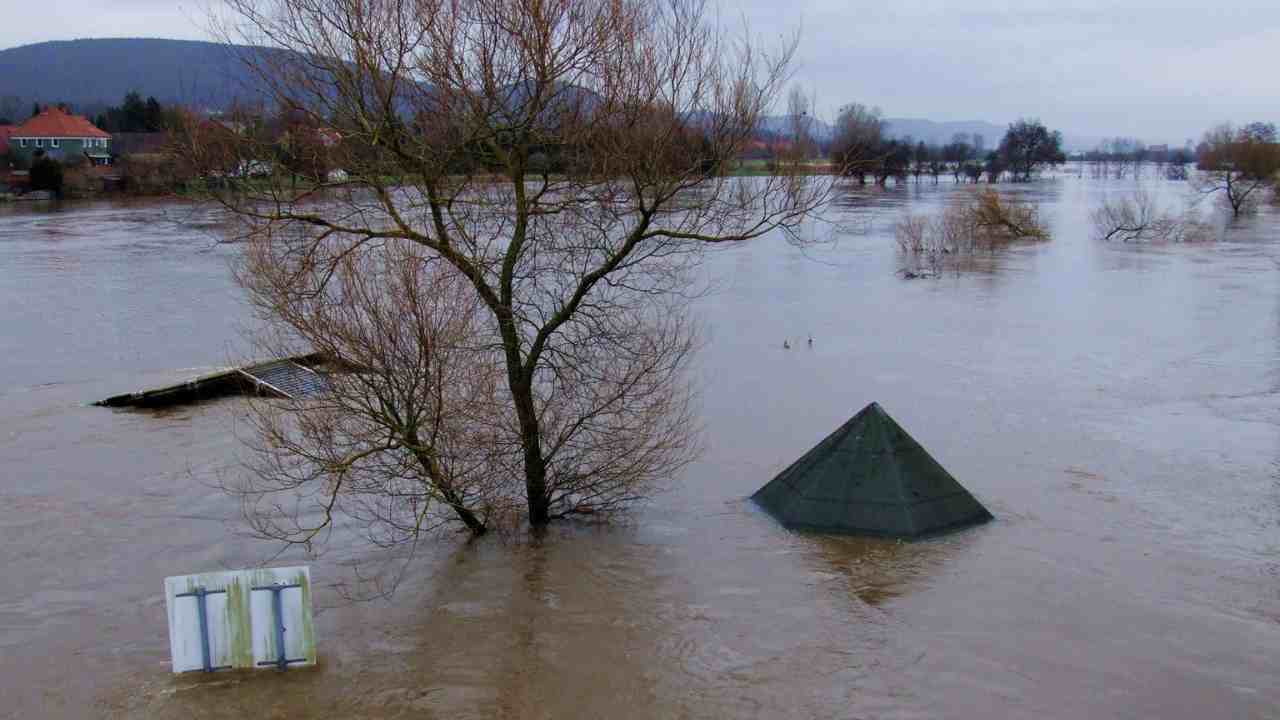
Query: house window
39	142
53	142
23	142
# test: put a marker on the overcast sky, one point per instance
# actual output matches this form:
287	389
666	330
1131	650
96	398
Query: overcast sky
1160	70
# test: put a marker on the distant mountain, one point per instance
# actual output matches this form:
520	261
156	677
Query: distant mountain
782	126
93	73
940	133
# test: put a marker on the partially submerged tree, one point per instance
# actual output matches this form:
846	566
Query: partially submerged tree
1238	163
893	160
857	147
554	159
994	166
958	153
1137	217
1029	145
997	219
980	221
1118	156
1176	165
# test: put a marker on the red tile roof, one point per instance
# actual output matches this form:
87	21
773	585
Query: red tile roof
52	122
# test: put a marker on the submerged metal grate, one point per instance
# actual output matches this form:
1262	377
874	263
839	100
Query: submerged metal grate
289	378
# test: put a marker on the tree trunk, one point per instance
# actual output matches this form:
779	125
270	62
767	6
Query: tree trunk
432	468
535	468
468	518
520	383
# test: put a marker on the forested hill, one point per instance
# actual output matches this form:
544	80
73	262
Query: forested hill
89	74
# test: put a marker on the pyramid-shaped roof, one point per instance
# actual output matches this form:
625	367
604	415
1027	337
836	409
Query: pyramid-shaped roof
870	477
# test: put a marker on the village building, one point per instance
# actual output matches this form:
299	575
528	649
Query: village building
61	136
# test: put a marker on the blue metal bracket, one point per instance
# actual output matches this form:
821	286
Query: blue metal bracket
282	660
200	594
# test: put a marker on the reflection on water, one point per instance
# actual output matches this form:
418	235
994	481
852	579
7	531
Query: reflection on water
1115	406
877	571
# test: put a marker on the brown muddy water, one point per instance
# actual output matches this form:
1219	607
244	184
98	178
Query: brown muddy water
1116	407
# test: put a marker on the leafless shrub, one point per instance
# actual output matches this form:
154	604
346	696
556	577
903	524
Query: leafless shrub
993	220
913	234
1137	217
982	221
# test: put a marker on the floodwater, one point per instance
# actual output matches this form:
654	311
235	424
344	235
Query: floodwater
1117	408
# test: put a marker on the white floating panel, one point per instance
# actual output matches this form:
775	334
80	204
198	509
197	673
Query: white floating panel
251	619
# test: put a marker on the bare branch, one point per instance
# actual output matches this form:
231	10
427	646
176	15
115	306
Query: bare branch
491	207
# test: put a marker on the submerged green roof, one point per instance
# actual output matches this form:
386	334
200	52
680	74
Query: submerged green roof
870	477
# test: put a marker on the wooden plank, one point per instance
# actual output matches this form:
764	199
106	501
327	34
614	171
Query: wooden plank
241	620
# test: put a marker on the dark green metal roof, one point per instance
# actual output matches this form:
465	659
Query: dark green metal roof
870	477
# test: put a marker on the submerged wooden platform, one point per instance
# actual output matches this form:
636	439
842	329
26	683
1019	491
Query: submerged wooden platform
291	377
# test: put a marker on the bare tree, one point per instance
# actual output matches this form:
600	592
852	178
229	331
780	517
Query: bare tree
1238	163
857	148
1137	217
405	438
557	158
1126	156
921	154
800	114
1176	166
412	434
958	153
994	166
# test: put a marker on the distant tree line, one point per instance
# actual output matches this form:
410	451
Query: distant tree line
862	150
1122	157
1232	161
135	115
